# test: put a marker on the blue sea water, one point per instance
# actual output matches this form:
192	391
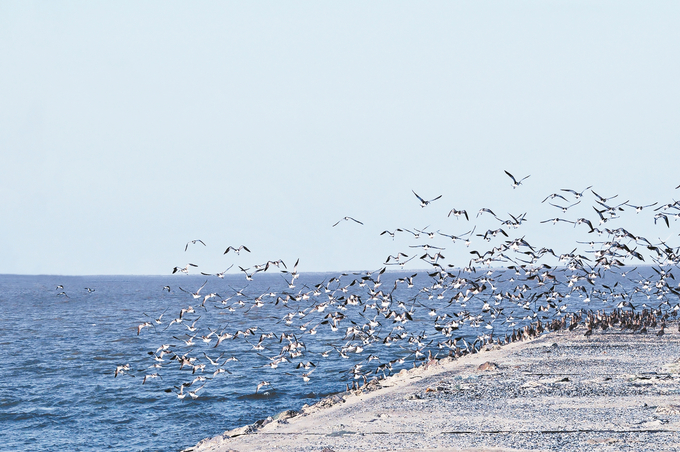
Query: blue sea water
61	347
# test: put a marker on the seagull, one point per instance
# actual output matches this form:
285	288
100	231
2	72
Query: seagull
249	277
261	385
584	221
656	217
484	209
602	198
183	270
576	194
198	292
193	242
516	183
458	213
143	325
638	209
89	290
237	250
193	394
346	219
121	370
564	209
147	377
555	220
553	196
423	202
219	274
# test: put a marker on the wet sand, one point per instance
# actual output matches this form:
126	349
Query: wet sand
563	391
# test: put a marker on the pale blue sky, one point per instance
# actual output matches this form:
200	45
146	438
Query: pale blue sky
130	128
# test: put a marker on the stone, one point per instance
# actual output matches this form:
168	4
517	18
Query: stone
239	431
488	366
284	415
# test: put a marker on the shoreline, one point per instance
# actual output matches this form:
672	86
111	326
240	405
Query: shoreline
564	390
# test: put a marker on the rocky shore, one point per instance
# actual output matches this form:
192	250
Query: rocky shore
563	391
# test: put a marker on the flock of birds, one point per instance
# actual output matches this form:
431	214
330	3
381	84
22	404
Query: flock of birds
378	322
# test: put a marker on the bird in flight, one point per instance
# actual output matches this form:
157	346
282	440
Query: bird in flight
183	270
458	213
515	182
347	219
237	250
577	194
193	242
423	202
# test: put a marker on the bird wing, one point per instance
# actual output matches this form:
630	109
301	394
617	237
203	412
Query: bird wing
511	177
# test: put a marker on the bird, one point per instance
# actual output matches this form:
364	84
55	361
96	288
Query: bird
553	196
194	394
638	209
602	198
143	325
485	210
236	250
515	182
193	242
184	270
576	194
89	290
262	384
219	274
196	294
458	213
149	376
423	202
565	208
346	219
122	369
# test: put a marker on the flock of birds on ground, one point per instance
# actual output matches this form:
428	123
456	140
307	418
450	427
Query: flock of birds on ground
384	321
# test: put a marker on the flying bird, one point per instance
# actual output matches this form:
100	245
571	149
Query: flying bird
193	242
458	213
183	270
423	202
576	194
347	219
515	182
555	195
236	250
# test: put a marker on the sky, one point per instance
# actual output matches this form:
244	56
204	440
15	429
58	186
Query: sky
129	128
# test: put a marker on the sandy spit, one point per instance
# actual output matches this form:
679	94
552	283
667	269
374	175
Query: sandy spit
611	391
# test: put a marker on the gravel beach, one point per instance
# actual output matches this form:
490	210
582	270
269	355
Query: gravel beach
563	391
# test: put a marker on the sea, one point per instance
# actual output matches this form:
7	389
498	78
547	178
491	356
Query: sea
63	338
